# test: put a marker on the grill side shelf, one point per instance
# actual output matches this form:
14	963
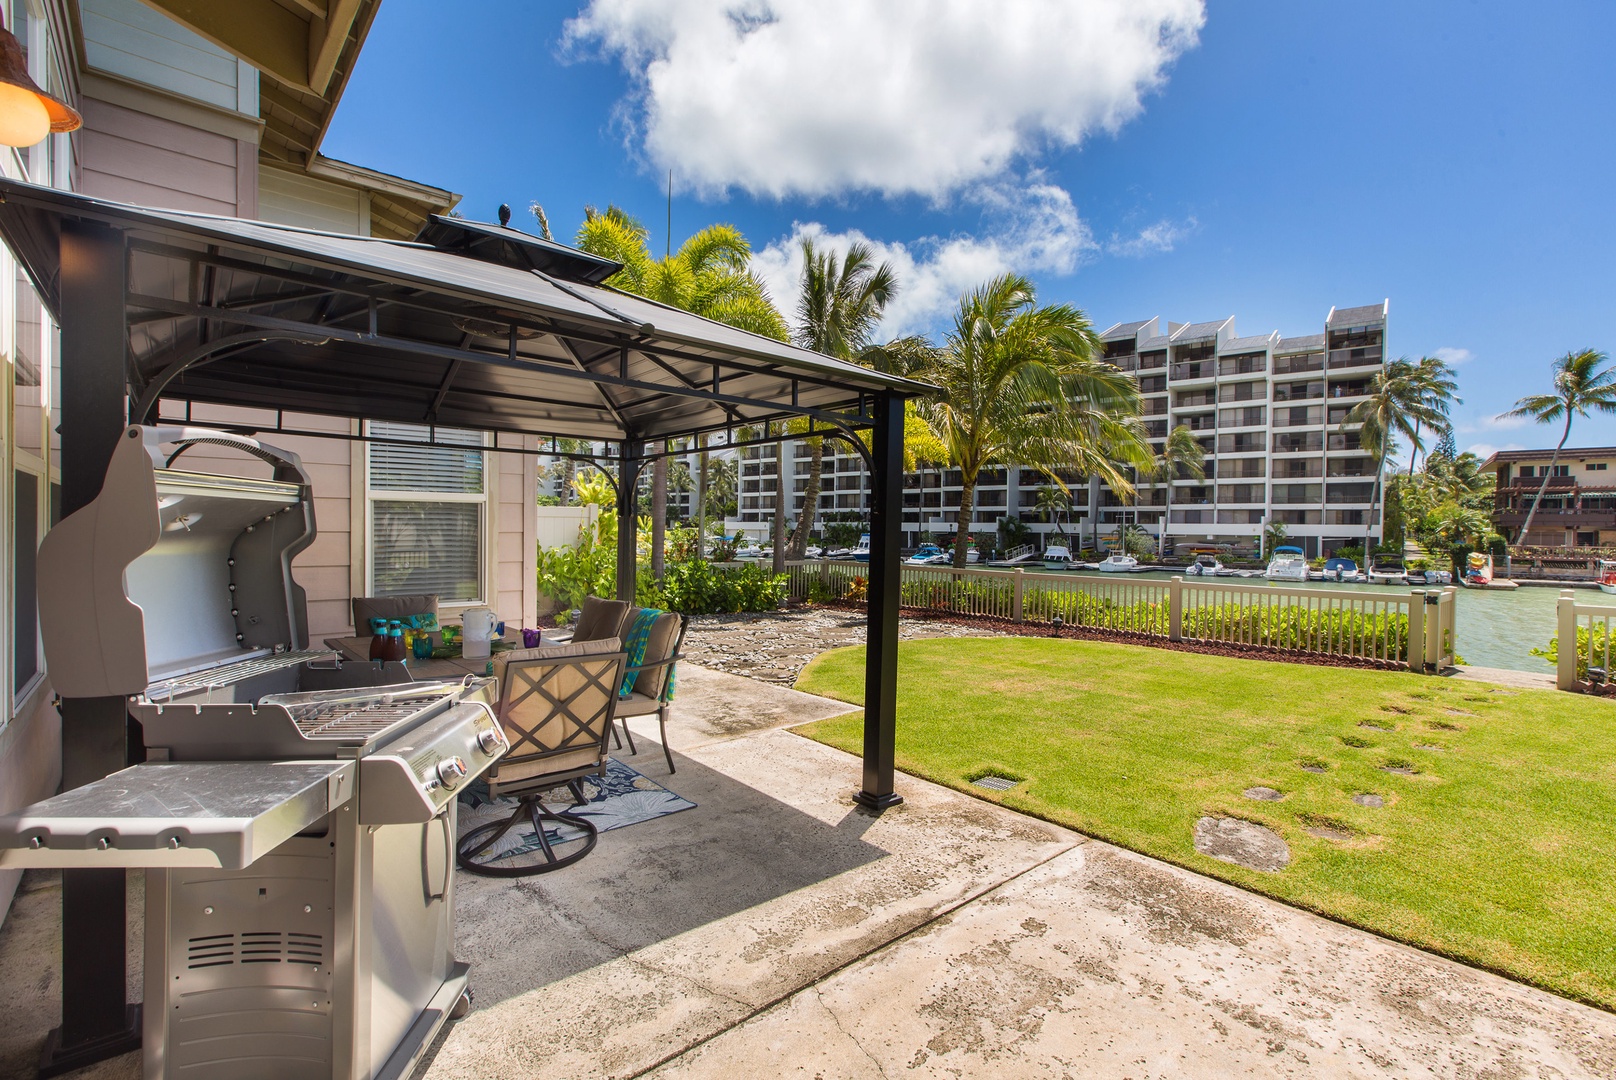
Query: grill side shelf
167	814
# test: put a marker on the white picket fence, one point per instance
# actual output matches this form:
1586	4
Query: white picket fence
1415	630
1589	626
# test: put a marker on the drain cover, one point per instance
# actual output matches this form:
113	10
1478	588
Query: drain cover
995	783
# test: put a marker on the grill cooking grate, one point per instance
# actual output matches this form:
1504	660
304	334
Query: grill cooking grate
345	721
215	678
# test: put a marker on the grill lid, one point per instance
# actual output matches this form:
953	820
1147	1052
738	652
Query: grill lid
168	572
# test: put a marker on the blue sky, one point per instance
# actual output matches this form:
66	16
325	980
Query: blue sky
1264	158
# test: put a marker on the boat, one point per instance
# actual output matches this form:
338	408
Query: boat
1341	570
1607	575
1387	570
1207	566
1057	557
972	555
749	551
1438	577
861	550
839	553
1288	564
927	555
813	552
1478	574
1118	564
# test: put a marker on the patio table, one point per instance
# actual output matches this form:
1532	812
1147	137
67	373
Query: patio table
358	648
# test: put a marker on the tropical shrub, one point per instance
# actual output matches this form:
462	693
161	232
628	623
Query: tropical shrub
699	588
1592	650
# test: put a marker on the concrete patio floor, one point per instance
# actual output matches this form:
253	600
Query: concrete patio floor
777	930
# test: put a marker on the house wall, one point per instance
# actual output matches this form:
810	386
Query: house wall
127	39
290	198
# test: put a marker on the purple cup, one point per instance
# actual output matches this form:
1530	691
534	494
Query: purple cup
531	639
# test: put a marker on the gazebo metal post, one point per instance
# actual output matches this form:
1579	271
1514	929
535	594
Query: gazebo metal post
628	551
97	1020
881	655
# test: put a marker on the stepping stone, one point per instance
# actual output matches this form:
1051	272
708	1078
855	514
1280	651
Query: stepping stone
1265	794
1243	843
1429	746
1310	767
1374	802
1400	770
1324	832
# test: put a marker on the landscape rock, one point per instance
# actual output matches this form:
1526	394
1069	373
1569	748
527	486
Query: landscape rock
1374	802
1264	794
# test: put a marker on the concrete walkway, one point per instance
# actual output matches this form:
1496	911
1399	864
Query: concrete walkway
778	931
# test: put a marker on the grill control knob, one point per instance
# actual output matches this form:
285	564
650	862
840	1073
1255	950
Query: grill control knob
451	771
490	741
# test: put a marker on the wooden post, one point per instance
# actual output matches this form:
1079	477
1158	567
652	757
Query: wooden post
1175	609
1416	631
1018	599
1565	672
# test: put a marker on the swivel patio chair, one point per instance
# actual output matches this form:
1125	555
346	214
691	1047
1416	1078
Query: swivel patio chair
556	704
601	619
652	688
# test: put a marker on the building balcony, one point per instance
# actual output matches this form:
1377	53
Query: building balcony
1551	518
1194	371
1310	442
1298	364
1370	355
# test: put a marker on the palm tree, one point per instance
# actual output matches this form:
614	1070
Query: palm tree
1437	383
1181	455
709	275
1396	404
1019	382
1582	383
841	304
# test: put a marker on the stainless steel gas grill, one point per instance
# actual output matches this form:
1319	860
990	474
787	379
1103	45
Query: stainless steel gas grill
296	815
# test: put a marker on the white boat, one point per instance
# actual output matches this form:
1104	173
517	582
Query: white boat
1340	570
1118	564
1207	566
1057	557
1387	570
1438	577
839	553
861	550
1607	575
972	555
1288	564
813	552
927	555
749	551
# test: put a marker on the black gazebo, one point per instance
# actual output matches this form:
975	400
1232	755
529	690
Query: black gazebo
471	326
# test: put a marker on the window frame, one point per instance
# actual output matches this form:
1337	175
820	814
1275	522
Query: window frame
486	571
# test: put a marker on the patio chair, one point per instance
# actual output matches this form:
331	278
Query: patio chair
652	689
600	619
556	704
366	608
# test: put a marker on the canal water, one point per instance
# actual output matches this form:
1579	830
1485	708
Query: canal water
1495	627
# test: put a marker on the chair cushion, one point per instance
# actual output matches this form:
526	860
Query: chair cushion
637	705
505	777
554	652
366	608
658	646
599	619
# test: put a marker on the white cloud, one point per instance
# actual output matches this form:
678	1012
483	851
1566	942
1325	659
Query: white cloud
928	97
1032	227
1154	239
1454	356
1496	423
1487	450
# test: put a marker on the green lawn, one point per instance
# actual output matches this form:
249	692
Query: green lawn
1500	850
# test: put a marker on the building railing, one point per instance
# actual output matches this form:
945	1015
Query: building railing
1414	631
1359	357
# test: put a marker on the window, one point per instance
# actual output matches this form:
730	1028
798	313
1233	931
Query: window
428	513
1597	466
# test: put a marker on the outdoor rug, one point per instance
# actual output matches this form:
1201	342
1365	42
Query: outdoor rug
622	797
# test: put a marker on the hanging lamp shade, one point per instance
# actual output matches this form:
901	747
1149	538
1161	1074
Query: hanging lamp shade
27	113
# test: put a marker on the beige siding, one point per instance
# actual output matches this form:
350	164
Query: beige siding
137	158
292	199
130	40
515	537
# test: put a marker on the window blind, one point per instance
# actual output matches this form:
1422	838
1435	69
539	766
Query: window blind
426	468
426	547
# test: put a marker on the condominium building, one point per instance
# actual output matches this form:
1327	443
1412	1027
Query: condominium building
1578	492
1269	412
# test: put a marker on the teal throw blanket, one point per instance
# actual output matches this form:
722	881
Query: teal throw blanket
639	636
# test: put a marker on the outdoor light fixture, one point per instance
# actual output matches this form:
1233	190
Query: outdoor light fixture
27	113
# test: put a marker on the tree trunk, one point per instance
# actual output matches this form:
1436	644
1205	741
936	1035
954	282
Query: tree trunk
569	469
701	497
778	562
1413	454
962	524
659	515
810	499
1369	523
1167	515
1554	459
